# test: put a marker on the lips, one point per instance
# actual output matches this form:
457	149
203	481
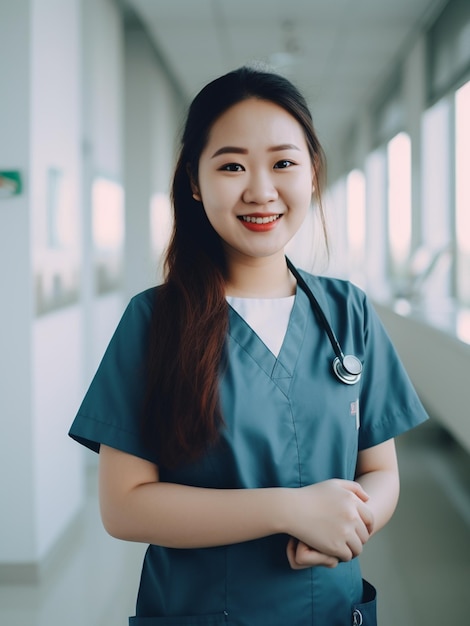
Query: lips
258	222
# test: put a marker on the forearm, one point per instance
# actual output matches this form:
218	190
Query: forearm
382	487
178	516
136	506
377	472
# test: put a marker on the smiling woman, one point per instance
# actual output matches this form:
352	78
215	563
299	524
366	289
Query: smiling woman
255	175
226	440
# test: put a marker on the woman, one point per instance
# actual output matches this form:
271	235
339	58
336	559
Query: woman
227	440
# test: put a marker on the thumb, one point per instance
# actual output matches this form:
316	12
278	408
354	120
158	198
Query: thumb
357	489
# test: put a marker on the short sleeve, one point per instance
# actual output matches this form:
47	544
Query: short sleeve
112	410
389	404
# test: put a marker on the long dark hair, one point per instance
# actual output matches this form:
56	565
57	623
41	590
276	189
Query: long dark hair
190	318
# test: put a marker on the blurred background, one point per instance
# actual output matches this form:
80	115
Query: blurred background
93	94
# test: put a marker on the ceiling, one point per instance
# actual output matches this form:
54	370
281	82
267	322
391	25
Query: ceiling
339	52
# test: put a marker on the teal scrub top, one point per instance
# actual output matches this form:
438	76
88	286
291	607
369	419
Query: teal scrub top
288	423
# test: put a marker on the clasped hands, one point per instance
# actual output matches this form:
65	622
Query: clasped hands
334	522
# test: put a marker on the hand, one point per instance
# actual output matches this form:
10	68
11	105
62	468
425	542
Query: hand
332	517
301	556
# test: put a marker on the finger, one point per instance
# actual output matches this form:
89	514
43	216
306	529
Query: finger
344	554
290	550
301	556
362	533
309	557
355	545
367	517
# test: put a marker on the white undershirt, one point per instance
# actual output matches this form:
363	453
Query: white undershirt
268	317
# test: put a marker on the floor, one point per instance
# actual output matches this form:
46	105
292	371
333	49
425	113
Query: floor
420	562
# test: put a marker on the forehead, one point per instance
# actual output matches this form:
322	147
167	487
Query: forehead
256	121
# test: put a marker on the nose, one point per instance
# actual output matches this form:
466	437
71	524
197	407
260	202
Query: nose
260	189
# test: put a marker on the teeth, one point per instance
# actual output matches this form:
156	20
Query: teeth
260	220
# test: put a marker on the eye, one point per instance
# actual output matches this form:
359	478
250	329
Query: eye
231	167
283	164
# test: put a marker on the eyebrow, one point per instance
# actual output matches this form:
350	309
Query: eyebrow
238	150
229	150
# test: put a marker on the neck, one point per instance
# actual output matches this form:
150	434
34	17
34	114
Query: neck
267	277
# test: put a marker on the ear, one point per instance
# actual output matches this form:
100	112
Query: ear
194	187
195	190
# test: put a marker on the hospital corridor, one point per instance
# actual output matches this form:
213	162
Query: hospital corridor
93	99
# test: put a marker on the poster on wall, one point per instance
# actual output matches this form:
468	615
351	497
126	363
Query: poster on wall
108	230
56	245
10	184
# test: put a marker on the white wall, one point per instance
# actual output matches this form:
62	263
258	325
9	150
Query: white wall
56	346
415	104
103	49
439	365
102	113
67	114
58	467
152	122
39	104
16	462
50	118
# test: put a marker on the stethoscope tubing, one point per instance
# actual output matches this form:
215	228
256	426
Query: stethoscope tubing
348	369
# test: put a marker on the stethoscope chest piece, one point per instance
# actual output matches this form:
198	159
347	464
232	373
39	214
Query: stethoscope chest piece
348	369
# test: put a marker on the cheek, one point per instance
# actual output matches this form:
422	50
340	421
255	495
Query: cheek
216	210
300	194
214	193
220	198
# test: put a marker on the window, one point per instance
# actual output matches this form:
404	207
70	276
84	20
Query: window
399	203
462	192
356	224
107	215
108	231
376	236
436	174
433	261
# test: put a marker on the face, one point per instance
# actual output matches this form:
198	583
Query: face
255	179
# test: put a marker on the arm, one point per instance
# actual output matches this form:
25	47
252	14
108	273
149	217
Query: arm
136	506
377	473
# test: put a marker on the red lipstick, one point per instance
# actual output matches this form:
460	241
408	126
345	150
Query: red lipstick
260	222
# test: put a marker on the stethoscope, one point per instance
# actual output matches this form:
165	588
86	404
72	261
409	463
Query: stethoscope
348	368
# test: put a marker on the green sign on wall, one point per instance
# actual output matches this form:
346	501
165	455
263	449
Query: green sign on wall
10	184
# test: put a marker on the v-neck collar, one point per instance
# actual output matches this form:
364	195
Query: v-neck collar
282	367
